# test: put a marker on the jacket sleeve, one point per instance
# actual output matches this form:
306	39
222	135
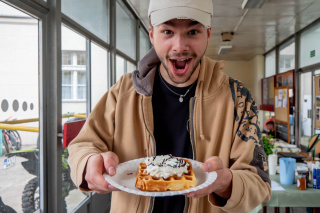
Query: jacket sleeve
251	184
96	136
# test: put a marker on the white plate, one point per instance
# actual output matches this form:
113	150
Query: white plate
125	179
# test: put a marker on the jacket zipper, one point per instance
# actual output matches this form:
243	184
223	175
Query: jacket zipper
192	103
154	152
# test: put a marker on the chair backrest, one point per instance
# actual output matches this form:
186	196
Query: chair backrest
71	130
314	144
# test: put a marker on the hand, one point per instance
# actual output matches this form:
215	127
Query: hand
222	186
97	165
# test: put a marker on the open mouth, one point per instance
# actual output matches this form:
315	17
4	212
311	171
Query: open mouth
180	65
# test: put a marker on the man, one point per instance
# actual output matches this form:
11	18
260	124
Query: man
269	124
178	102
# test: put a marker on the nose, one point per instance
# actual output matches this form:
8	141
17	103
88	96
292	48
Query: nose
180	44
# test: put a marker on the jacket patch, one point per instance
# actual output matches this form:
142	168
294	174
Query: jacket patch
245	112
259	161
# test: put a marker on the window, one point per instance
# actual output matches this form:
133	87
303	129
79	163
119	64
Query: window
144	43
125	31
73	75
287	56
81	58
99	73
310	46
270	65
93	15
67	58
19	100
120	69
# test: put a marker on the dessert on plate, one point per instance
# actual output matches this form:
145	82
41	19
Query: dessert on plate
165	173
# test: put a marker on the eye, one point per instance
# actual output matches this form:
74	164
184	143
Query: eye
193	32
167	32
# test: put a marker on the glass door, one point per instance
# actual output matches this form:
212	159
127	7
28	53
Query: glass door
306	100
316	92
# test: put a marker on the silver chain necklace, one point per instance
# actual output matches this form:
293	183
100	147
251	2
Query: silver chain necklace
180	96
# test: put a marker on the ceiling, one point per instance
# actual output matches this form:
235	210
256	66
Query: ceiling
256	31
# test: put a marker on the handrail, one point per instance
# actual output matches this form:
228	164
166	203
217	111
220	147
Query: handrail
9	124
21	128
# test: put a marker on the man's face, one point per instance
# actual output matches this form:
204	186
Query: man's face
270	127
180	44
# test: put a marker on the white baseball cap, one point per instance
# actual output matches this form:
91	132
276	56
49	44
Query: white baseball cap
161	11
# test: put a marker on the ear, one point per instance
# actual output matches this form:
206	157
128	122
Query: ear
151	34
209	33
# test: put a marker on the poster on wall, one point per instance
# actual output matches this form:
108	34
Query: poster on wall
284	98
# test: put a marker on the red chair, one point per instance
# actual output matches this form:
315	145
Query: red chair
71	130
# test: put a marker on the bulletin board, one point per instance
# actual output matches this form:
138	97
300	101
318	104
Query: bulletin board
281	111
287	79
317	101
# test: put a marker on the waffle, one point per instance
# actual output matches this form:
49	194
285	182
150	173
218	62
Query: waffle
146	182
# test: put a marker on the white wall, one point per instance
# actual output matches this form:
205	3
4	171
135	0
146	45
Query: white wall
249	73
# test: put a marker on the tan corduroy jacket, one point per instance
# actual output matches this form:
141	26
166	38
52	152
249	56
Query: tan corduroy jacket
223	122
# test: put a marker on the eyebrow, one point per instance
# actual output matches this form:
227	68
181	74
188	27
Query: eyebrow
191	24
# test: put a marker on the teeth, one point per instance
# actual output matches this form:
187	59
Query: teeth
182	59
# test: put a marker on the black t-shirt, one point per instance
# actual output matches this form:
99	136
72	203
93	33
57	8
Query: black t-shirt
170	131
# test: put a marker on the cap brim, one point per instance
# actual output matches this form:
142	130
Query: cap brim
161	16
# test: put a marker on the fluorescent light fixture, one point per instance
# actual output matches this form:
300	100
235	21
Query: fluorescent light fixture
246	4
224	49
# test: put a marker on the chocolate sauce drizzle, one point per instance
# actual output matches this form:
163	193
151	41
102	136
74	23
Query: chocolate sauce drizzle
181	163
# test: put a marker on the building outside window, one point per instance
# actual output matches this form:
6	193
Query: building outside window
73	75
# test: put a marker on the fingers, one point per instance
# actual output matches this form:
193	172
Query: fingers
213	163
111	161
220	185
96	166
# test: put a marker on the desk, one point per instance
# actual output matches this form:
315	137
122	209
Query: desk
291	197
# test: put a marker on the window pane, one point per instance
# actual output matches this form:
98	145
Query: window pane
66	92
66	58
126	38
287	56
310	46
130	67
81	58
19	99
81	92
81	78
74	45
66	77
73	102
92	15
119	67
144	43
99	73
270	67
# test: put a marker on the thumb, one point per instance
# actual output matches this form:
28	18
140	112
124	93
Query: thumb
212	164
111	161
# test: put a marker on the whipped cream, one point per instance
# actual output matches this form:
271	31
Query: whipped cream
166	166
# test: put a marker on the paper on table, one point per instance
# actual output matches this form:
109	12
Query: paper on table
276	186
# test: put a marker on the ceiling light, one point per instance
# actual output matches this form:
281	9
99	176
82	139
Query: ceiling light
224	49
253	4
